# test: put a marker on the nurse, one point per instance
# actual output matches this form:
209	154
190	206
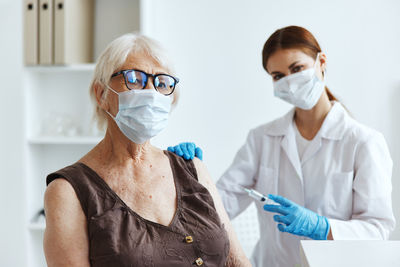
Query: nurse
330	175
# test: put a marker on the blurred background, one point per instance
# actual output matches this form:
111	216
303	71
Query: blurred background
216	48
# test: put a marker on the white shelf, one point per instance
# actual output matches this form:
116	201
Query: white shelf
62	68
37	226
79	140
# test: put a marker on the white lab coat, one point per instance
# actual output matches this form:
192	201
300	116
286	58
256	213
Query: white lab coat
345	175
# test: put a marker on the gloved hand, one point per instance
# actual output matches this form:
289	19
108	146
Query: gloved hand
298	220
187	151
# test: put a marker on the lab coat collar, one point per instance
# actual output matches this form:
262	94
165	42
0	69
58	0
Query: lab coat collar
335	123
332	128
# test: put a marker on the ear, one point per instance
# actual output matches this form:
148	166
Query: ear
322	60
99	92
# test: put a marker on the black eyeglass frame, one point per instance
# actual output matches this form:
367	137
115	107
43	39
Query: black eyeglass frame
154	76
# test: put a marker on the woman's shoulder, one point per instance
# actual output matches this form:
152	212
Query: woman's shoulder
181	167
67	173
60	198
59	191
65	221
81	183
203	175
276	127
358	132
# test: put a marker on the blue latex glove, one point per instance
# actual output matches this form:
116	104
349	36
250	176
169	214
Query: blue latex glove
187	151
298	220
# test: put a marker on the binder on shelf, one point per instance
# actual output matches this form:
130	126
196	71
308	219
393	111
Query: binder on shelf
73	31
31	33
46	32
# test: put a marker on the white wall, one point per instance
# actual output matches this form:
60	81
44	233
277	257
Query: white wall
217	45
12	230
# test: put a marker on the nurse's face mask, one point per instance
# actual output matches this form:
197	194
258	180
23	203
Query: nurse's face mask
302	89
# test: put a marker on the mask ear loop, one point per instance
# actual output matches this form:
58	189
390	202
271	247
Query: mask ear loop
112	90
118	101
316	59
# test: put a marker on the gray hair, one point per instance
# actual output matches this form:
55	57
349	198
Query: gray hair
114	56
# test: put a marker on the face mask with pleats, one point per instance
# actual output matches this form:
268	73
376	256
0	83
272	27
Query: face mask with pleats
142	114
302	89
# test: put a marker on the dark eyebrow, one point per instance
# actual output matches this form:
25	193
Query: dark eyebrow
275	72
291	66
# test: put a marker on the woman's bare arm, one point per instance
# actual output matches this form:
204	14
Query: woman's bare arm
65	238
236	254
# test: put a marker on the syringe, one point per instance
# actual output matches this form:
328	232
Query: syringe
260	197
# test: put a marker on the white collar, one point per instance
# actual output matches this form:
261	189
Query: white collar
333	126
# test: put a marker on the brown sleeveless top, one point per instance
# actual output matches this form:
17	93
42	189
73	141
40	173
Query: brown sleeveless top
120	237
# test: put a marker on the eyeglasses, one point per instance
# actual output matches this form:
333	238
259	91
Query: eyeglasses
137	79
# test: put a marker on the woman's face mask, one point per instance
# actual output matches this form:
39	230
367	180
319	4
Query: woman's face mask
142	114
302	89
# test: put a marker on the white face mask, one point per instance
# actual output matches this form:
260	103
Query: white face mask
142	114
302	89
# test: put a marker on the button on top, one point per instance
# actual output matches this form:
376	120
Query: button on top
189	239
199	261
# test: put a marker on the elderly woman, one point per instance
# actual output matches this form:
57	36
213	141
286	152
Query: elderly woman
126	202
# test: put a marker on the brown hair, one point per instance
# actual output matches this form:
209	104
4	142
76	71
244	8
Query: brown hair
293	37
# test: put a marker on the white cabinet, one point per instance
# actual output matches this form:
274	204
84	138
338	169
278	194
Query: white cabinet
58	116
59	132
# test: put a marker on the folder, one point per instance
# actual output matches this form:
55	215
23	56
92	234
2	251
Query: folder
73	31
46	31
31	33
